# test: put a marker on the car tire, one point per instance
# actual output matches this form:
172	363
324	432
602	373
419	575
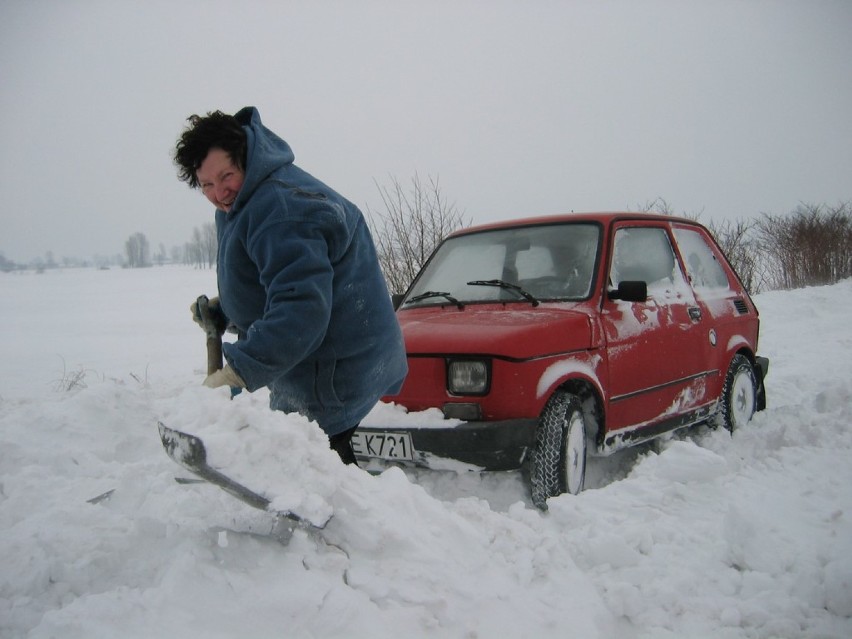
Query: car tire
739	394
558	460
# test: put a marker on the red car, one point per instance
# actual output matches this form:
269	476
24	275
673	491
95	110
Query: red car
548	339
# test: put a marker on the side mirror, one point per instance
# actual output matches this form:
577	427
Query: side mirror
396	300
630	291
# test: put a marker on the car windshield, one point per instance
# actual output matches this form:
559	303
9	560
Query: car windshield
523	264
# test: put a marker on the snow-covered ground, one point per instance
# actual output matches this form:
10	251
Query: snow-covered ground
701	535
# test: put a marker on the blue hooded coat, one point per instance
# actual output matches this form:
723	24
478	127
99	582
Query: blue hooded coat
299	277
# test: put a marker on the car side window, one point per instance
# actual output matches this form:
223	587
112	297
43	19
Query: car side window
702	265
644	254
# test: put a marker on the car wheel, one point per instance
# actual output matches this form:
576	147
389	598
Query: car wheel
739	395
558	461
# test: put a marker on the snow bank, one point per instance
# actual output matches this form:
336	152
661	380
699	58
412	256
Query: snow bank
700	535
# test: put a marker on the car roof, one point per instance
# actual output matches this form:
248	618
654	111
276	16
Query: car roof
604	217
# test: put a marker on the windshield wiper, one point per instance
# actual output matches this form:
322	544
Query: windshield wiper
508	286
429	294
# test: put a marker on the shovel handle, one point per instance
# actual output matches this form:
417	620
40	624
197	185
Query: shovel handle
214	338
214	354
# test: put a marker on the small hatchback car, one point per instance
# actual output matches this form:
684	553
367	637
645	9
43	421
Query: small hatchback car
547	339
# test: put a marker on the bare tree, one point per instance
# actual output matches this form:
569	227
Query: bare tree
7	265
161	256
657	205
203	249
191	254
137	251
412	224
209	244
661	206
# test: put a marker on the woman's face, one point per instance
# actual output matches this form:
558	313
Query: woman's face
220	179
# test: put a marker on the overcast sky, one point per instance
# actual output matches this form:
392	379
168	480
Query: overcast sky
725	108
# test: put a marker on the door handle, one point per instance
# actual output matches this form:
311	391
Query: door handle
694	313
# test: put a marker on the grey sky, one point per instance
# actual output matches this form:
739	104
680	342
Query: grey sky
519	108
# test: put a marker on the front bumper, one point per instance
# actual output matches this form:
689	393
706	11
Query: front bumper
498	445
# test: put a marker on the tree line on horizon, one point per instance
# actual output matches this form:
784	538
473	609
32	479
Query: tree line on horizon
809	246
200	252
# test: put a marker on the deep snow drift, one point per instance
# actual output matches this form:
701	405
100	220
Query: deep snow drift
701	535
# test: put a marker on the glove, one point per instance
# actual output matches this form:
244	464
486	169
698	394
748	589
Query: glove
224	377
208	315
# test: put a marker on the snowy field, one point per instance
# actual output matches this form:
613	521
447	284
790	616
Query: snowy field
701	535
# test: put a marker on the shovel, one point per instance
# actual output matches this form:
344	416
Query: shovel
214	337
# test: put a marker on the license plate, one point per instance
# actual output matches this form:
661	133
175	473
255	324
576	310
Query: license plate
383	445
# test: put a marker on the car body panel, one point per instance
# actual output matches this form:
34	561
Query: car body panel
508	331
643	367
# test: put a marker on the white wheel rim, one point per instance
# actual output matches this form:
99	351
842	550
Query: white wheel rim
575	458
742	399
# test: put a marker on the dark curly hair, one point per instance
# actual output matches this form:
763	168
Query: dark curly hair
216	130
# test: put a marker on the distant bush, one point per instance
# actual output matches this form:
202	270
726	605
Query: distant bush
810	246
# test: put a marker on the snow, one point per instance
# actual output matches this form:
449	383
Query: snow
557	370
700	535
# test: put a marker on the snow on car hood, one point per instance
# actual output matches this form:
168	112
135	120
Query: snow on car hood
514	330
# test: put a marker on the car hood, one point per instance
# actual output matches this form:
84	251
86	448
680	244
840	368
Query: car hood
495	330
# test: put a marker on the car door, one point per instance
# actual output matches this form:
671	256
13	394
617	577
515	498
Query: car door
729	320
655	350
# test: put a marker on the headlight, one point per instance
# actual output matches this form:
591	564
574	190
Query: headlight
468	377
